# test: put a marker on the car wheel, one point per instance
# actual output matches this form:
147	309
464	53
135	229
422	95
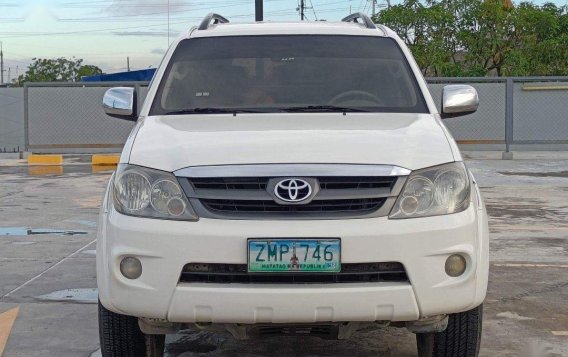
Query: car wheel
120	336
461	338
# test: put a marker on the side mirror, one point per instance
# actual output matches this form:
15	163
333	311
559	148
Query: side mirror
459	99
120	102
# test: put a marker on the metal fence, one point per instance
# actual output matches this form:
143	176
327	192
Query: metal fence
67	117
487	125
514	113
11	119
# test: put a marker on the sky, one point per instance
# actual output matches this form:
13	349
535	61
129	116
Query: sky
105	32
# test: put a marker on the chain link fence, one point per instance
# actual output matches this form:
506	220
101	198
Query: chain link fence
68	118
11	120
487	125
525	113
540	112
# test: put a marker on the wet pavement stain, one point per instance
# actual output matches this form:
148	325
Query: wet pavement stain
517	211
26	231
92	224
39	172
82	296
536	174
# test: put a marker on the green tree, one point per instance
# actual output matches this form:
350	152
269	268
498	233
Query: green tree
482	37
87	70
428	31
544	49
57	70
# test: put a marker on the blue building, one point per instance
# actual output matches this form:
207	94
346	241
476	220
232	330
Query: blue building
143	75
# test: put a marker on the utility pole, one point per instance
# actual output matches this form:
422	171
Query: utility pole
9	75
302	9
128	64
374	7
168	24
1	64
259	10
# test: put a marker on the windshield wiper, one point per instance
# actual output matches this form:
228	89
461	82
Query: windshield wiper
213	111
321	109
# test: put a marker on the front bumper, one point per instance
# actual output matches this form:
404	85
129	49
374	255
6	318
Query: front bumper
164	247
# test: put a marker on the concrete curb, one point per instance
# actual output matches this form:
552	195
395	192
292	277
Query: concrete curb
45	159
105	159
57	160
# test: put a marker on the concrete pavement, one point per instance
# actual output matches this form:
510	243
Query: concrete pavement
47	268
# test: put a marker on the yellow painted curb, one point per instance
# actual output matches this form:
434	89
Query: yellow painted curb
7	319
105	159
45	159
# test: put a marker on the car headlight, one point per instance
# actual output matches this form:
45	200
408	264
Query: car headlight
434	191
143	192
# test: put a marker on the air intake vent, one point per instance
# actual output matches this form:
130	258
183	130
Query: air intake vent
238	274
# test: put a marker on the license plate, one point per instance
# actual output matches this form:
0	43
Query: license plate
294	255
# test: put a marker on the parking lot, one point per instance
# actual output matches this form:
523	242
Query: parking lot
48	293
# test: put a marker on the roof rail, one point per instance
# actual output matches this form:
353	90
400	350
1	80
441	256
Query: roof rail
216	18
360	16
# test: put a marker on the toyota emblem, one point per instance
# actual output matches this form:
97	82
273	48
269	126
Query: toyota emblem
293	190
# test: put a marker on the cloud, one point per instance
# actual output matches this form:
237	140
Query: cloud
158	51
144	7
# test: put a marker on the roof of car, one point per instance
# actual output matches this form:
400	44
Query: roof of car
289	28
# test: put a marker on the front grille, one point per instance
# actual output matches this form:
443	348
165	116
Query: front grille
261	206
260	183
335	183
230	183
238	273
335	197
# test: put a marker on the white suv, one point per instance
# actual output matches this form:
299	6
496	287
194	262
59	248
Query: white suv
291	178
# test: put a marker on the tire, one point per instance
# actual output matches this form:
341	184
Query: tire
461	338
120	336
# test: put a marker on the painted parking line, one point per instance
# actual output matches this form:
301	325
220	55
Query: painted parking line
528	265
560	333
6	323
48	269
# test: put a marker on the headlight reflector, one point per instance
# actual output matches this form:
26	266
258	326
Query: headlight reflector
133	191
417	196
176	206
144	192
450	188
434	191
162	192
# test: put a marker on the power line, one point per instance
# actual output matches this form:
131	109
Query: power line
20	35
314	10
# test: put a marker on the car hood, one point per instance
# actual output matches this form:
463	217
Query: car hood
170	143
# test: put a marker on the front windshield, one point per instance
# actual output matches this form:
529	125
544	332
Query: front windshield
287	74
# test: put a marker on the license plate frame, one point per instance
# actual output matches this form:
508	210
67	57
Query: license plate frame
331	246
